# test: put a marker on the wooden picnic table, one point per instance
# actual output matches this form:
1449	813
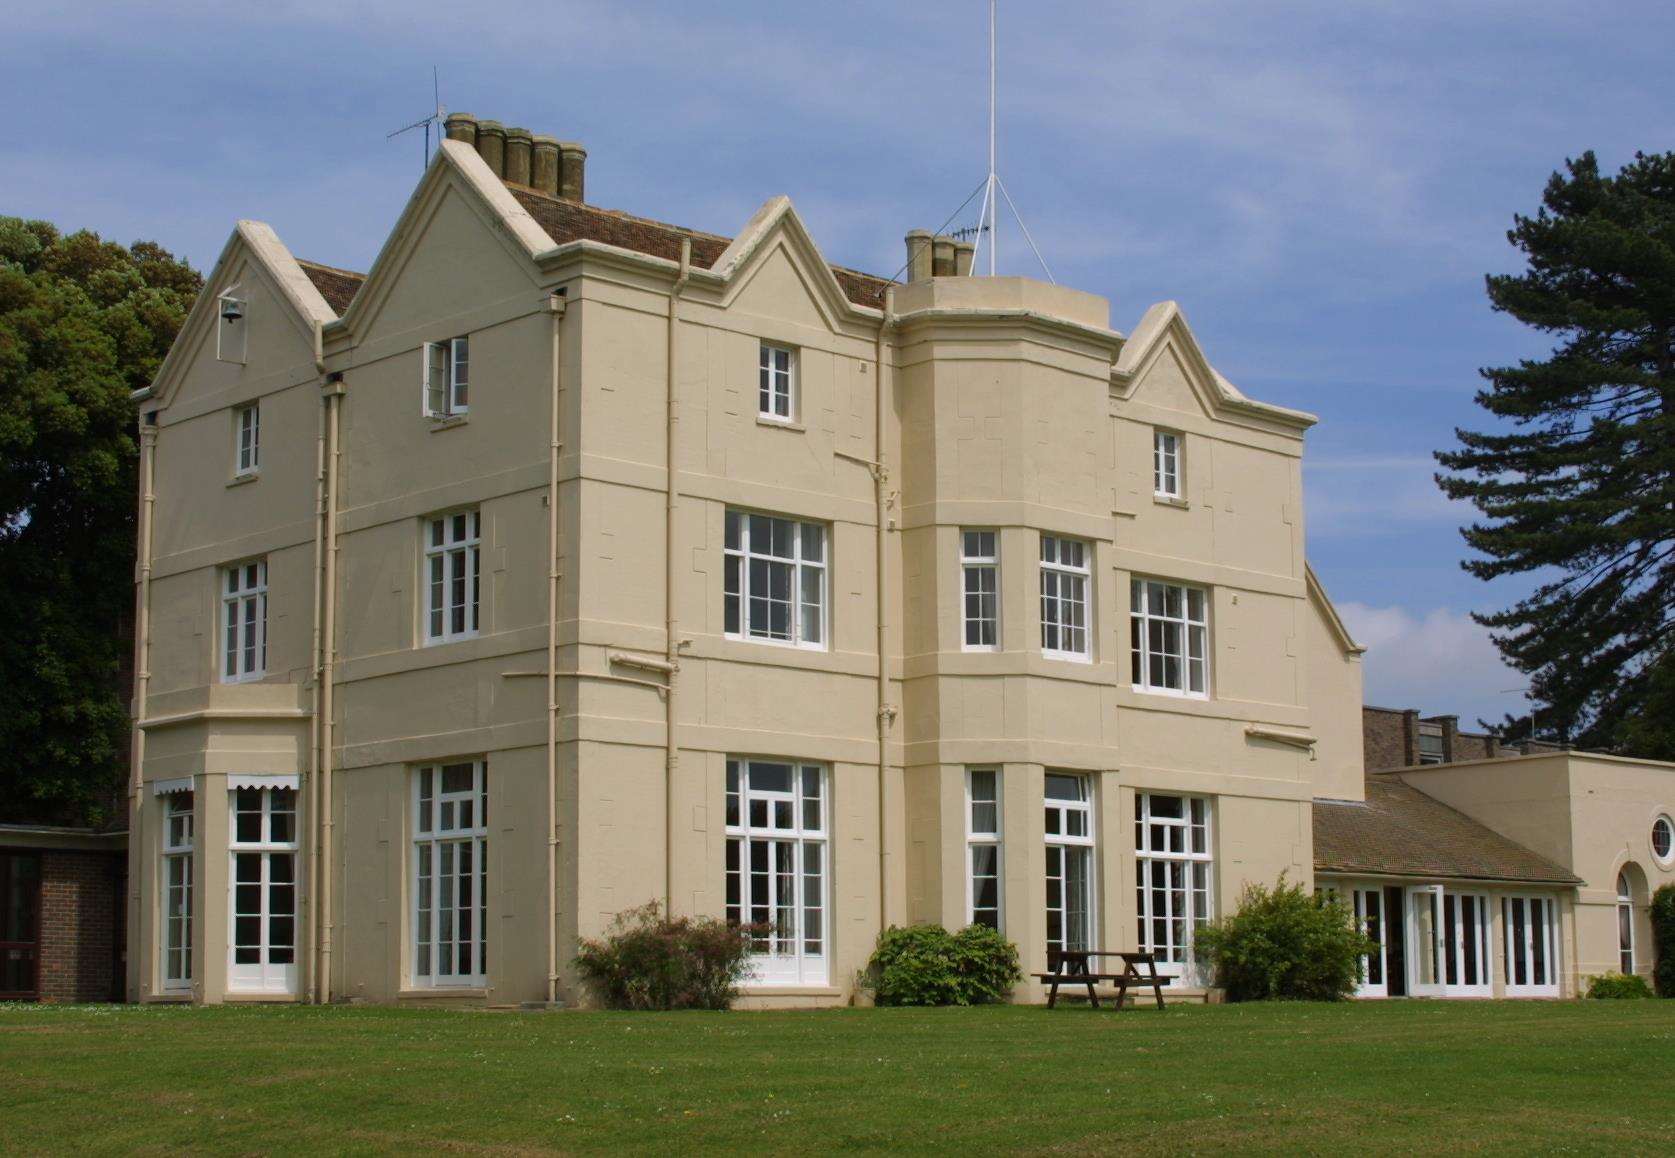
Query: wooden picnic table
1075	967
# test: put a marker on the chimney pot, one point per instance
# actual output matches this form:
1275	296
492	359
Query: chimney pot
491	145
518	145
964	251
918	254
942	256
543	163
572	162
461	127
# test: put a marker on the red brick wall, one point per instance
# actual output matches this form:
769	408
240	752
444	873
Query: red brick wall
1387	738
81	925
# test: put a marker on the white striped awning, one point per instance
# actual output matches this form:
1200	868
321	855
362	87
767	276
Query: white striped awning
263	780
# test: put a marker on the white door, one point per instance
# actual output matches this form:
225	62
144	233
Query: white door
1424	941
1375	966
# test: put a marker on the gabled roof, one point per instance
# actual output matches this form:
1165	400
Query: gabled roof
337	286
1329	611
1399	831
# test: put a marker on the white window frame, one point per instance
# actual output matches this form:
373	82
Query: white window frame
247	437
1625	924
271	899
1066	599
776	387
1666	858
979	589
232	333
1521	946
177	885
1463	940
981	840
243	654
453	565
447	378
791	827
1149	619
1430	732
1070	833
1174	856
442	892
747	566
1166	464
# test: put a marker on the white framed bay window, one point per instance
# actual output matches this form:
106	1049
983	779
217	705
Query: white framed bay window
774	583
263	844
453	566
178	846
983	847
450	875
980	590
1169	638
778	867
1173	859
244	621
1066	599
1070	862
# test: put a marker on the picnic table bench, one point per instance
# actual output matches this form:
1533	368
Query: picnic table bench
1074	967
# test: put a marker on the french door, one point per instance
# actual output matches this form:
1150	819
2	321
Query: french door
1424	941
1530	929
1467	959
1375	966
20	926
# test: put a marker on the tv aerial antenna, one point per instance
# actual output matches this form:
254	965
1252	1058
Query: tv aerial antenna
988	216
436	118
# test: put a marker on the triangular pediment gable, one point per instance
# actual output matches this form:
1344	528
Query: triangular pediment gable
1323	606
1164	333
253	253
458	182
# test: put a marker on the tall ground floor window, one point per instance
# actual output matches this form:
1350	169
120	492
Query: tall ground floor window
450	875
20	925
778	867
1375	966
983	841
1070	862
1625	925
1172	875
1466	932
263	847
1530	927
177	850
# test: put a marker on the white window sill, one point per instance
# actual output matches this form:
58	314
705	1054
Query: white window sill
789	644
1175	501
1067	656
1170	693
248	678
444	640
980	649
780	423
248	476
440	422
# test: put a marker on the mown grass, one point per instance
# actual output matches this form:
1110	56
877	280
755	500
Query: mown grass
1495	1077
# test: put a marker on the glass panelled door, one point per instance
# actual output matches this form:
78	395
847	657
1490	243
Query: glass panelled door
1465	936
20	913
1375	966
262	953
1529	926
1424	941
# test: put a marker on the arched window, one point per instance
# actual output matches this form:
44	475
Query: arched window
1625	925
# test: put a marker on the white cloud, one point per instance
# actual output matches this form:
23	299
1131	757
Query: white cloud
1439	661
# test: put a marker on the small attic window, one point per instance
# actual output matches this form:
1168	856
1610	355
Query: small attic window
231	328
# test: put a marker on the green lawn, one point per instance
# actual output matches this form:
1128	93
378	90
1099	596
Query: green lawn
1391	1076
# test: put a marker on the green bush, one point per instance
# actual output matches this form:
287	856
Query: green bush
1284	944
1663	940
928	965
649	961
1614	986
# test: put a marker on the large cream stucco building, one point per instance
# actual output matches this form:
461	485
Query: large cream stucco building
567	561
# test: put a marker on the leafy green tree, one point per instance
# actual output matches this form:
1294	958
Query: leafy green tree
1577	485
82	323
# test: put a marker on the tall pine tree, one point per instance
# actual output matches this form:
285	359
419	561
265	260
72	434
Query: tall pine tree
82	323
1577	485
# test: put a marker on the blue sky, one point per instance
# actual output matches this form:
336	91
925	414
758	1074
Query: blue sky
1321	185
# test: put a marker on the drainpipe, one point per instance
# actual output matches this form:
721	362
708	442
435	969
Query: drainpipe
555	308
671	754
886	711
142	646
315	887
334	391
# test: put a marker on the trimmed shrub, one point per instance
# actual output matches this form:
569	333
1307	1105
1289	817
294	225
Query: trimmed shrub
1615	986
928	965
649	961
1284	944
1663	939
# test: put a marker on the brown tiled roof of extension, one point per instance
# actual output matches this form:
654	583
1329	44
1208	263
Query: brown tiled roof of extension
565	220
337	286
1400	831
